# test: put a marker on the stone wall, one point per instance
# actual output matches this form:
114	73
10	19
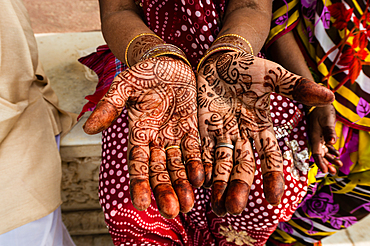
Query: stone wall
81	211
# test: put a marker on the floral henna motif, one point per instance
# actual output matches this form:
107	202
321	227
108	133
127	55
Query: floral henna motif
142	44
160	97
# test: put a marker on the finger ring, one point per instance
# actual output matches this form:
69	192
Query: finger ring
172	147
227	145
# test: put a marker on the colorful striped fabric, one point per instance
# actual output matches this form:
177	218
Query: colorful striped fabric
334	36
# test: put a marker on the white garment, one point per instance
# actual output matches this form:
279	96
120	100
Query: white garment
47	231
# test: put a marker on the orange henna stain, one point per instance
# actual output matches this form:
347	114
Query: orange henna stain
218	198
140	193
237	197
312	94
104	114
273	187
167	202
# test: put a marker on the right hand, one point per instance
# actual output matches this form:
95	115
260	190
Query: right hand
322	136
163	147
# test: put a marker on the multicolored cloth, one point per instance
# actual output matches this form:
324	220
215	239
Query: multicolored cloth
192	26
334	37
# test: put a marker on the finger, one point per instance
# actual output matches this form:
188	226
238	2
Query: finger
191	153
241	178
101	118
221	174
316	139
165	196
139	176
311	93
333	150
180	182
320	162
208	160
272	166
333	159
324	165
208	122
110	107
296	87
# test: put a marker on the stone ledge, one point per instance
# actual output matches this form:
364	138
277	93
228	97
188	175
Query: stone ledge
85	222
68	153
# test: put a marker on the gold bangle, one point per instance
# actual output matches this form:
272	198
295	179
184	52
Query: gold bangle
215	49
238	36
132	40
165	49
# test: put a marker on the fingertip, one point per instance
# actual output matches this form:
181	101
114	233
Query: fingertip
218	196
273	187
332	170
237	197
101	118
196	174
140	193
312	94
167	201
185	195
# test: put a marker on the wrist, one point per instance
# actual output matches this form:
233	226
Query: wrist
227	43
140	44
165	50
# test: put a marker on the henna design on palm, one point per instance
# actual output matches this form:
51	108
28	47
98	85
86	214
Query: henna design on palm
160	97
234	108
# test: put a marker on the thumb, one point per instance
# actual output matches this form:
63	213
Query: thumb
104	114
296	87
309	93
110	107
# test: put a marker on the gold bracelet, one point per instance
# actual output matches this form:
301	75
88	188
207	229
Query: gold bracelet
215	49
165	49
237	36
132	40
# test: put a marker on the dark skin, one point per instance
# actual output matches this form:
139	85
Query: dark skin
148	95
321	120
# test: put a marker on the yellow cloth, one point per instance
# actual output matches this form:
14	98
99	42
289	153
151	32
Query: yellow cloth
30	164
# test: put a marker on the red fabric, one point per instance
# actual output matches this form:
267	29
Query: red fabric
102	62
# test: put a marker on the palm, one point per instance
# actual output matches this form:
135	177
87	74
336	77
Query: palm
234	108
160	97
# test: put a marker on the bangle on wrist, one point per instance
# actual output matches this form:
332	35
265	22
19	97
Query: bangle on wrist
218	48
165	49
311	109
132	40
235	39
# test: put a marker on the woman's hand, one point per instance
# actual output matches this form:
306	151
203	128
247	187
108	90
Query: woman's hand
322	137
234	111
160	97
